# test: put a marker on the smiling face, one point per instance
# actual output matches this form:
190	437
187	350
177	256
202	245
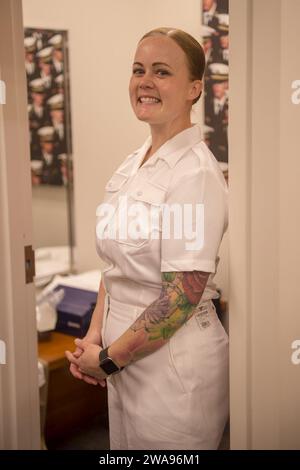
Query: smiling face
160	89
224	41
38	98
57	115
46	68
207	4
47	147
219	90
29	57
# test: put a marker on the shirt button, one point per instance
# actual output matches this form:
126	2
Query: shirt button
139	193
109	184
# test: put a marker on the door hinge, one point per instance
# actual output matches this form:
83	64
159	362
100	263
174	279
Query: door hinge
29	264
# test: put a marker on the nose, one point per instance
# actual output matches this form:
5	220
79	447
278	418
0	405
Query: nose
146	82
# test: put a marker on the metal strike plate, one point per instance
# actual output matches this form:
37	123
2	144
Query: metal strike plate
29	264
2	92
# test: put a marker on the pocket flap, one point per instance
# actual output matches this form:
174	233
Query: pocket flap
116	182
149	193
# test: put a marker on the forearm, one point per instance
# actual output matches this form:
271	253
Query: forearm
180	293
97	317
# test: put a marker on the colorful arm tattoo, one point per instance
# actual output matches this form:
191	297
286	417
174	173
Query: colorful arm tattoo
180	293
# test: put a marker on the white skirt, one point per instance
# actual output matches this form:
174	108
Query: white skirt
178	396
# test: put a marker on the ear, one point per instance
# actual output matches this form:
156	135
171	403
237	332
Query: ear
195	89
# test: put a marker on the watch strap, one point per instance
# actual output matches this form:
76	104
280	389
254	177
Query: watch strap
107	364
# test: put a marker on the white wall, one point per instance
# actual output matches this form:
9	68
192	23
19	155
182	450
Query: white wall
50	216
102	39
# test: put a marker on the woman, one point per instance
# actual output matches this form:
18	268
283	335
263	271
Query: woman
165	353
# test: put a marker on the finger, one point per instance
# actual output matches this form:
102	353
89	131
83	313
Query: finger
77	353
80	343
74	371
71	358
68	354
90	380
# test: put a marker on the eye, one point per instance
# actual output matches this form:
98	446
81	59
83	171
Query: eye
162	72
137	71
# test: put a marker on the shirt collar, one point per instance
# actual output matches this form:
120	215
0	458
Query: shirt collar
220	100
172	149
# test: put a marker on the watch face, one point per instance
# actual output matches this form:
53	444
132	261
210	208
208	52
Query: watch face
109	366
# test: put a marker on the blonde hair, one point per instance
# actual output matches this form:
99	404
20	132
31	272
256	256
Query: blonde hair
193	50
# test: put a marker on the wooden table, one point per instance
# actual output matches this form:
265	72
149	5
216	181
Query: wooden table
71	403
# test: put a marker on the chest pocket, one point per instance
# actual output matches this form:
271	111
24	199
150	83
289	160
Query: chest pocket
106	210
143	215
114	185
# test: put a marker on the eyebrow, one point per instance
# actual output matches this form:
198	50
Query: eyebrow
154	63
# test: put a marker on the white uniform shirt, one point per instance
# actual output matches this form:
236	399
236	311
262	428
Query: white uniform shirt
182	171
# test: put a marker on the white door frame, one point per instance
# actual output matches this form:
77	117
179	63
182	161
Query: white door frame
19	399
264	225
239	220
254	141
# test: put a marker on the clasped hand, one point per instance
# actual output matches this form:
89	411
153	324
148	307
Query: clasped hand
85	362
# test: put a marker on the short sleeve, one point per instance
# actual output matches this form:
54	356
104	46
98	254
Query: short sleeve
194	219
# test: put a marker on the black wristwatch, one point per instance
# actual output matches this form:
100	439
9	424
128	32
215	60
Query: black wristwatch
107	364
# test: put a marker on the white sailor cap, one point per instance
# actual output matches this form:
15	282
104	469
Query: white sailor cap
56	101
36	165
223	25
45	54
37	85
218	71
30	44
207	31
59	80
46	133
56	41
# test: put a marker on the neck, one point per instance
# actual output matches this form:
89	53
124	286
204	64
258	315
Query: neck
161	133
